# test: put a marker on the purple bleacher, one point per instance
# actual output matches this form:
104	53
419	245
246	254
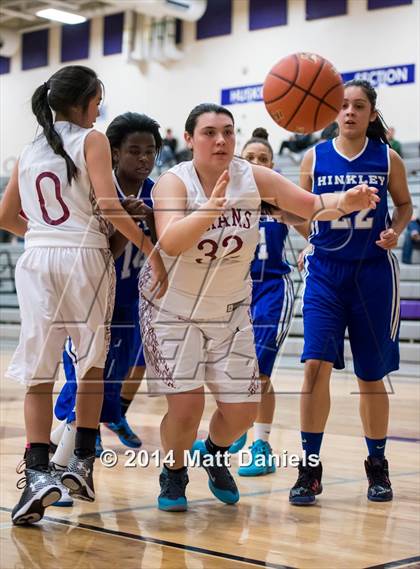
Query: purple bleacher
410	309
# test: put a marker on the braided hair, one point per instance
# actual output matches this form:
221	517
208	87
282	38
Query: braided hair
74	85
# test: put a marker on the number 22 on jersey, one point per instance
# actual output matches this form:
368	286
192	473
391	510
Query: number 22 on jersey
361	221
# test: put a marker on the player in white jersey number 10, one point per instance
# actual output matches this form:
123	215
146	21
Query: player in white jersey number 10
65	278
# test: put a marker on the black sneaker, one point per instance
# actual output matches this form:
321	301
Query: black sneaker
172	491
39	491
377	472
66	500
78	478
308	485
221	482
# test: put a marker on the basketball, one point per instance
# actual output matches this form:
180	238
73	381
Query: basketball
303	92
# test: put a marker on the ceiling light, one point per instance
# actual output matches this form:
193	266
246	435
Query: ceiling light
61	16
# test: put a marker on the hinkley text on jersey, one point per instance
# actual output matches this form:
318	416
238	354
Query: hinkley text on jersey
351	179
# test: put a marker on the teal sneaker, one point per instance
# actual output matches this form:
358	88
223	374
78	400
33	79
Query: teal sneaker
124	432
221	482
172	491
262	460
238	444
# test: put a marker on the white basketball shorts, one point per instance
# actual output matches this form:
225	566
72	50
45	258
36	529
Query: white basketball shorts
182	355
62	291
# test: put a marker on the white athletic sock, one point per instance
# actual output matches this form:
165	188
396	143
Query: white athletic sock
57	433
65	447
262	431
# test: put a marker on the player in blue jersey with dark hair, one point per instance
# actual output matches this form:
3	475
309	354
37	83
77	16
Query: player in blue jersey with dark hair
271	309
135	141
351	282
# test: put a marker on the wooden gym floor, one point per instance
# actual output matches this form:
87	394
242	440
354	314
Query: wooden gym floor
123	528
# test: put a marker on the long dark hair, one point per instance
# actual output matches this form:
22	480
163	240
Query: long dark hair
127	123
74	85
191	121
377	129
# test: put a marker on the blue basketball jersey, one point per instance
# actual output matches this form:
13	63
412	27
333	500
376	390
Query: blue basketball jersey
270	260
125	348
128	265
353	236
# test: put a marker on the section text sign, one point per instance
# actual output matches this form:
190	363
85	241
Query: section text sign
395	75
380	76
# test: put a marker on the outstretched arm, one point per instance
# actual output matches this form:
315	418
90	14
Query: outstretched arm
287	217
283	193
306	181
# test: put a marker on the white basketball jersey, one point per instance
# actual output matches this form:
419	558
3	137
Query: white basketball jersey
207	280
60	214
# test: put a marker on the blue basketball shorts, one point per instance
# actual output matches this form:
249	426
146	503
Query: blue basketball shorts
125	352
271	310
361	297
126	349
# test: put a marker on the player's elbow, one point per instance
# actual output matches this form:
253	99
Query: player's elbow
171	251
169	247
5	218
110	206
409	208
110	212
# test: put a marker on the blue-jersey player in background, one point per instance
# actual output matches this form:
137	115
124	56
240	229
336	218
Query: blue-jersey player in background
351	282
135	142
271	309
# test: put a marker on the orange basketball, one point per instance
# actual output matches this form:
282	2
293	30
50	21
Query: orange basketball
303	92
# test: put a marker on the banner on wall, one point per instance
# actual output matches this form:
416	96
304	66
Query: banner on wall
395	75
390	76
238	95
